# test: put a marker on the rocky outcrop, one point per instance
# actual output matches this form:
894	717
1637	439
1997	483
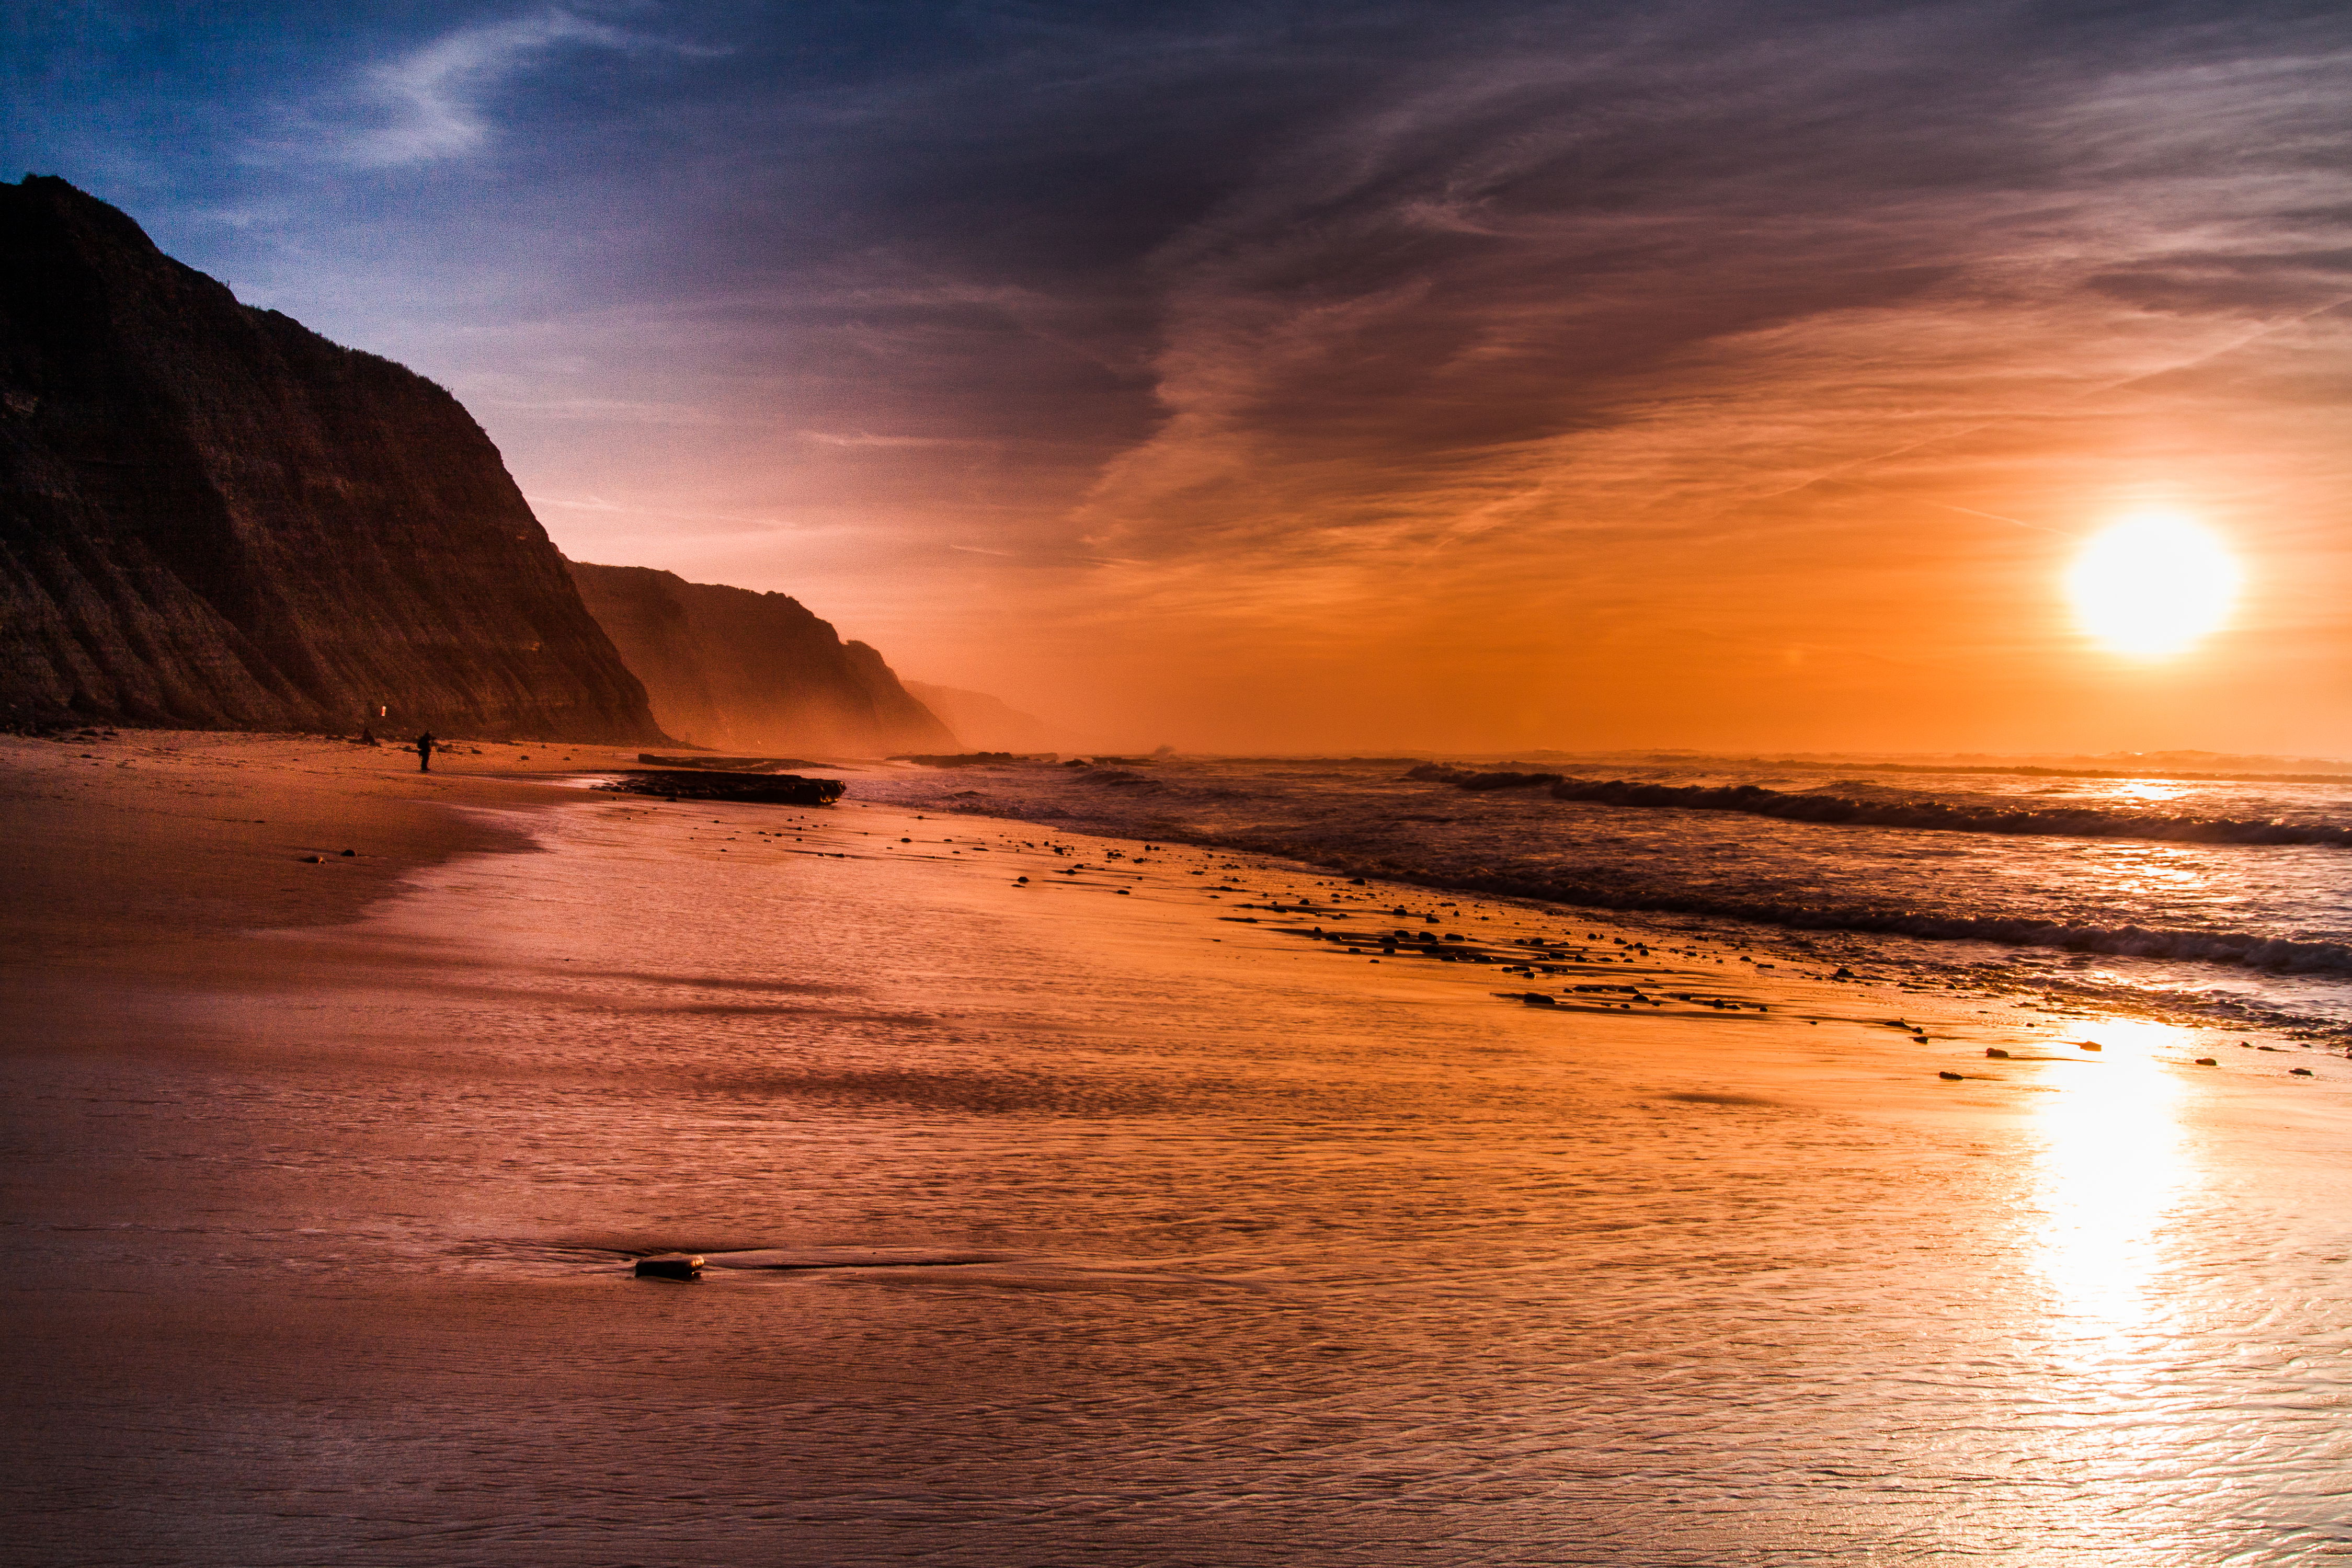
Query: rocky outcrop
716	784
739	671
212	516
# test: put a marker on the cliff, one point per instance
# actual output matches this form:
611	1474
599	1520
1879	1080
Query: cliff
212	516
984	721
740	670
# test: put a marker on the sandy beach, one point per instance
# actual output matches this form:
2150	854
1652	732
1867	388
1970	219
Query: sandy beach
1070	1198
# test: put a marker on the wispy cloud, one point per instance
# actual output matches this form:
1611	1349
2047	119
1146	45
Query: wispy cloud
1522	333
432	103
861	438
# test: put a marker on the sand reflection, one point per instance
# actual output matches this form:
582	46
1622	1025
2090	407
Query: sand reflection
2111	1170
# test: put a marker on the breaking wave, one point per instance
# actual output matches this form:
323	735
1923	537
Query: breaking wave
2239	949
1813	806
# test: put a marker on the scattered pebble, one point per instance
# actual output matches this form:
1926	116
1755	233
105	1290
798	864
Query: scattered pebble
1949	1077
1995	1051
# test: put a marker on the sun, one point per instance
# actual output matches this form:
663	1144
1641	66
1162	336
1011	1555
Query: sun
2153	584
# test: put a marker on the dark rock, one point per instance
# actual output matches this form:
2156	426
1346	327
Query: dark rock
759	789
1994	1051
726	667
2207	1061
680	1266
1949	1077
349	854
212	516
2298	1072
958	758
2088	1045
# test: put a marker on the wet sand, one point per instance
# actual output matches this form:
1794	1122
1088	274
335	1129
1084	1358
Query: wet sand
1123	1213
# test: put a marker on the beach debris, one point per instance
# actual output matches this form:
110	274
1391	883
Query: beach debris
1994	1051
1949	1077
672	1266
2207	1061
2088	1045
763	789
2298	1072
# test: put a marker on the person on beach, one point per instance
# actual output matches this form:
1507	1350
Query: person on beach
424	752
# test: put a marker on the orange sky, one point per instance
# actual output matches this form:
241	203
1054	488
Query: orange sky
1846	529
1500	375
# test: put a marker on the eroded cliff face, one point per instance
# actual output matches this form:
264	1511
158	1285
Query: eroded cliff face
739	671
210	516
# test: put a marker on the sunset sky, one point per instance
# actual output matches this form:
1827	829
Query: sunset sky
1343	375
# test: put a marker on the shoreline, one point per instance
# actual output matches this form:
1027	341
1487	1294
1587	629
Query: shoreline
160	835
2277	984
1020	1194
145	846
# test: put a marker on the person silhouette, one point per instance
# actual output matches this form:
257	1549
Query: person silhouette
424	752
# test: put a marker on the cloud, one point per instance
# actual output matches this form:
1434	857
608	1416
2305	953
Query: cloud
1584	288
427	106
861	438
1345	325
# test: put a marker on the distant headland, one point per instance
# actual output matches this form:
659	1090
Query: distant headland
211	516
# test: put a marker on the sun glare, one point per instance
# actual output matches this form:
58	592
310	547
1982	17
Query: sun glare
2152	585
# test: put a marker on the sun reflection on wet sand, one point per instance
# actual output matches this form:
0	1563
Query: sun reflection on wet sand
2111	1170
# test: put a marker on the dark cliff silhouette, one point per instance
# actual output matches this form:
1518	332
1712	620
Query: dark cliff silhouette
740	670
212	516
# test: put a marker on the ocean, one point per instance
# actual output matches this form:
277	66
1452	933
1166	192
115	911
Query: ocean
2203	899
